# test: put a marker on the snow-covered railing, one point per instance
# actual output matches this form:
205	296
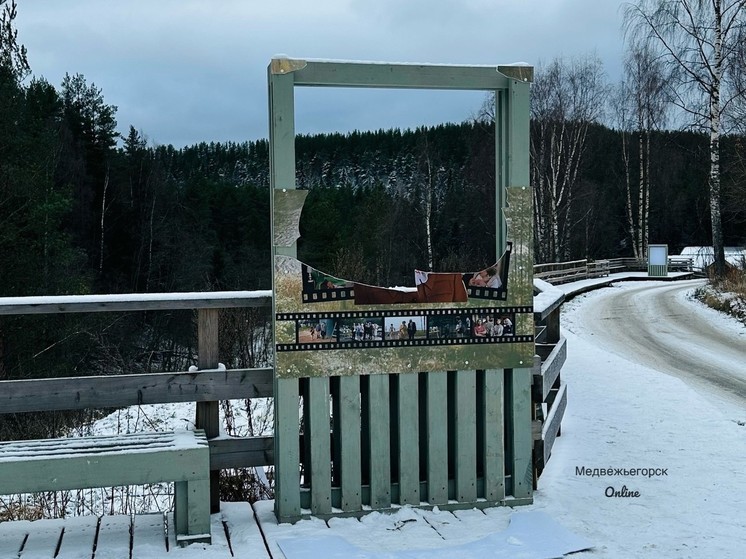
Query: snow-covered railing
574	270
548	393
133	302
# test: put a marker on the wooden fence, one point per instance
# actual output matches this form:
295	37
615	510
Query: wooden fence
206	387
423	440
574	270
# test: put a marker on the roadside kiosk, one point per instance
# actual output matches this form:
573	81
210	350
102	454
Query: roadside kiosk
658	260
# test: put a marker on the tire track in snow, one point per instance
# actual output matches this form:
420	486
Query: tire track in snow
652	325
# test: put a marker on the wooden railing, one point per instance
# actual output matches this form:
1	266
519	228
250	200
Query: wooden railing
559	272
574	270
209	384
548	394
206	387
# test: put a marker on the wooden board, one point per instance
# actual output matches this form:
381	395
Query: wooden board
287	453
148	534
437	437
113	537
133	302
409	439
350	443
116	391
12	537
318	439
246	540
79	537
522	443
43	539
493	451
380	448
466	438
273	530
102	461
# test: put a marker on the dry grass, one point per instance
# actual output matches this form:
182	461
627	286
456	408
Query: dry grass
728	294
16	508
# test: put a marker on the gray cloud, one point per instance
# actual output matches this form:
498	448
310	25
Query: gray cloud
185	71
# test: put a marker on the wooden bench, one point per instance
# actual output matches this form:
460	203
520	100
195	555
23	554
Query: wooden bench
182	457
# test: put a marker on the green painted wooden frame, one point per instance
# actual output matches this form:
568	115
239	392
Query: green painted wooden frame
510	85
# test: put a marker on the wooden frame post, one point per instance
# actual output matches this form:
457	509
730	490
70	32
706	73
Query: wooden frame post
287	392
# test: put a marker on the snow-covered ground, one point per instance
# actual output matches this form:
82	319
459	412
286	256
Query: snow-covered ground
623	415
620	416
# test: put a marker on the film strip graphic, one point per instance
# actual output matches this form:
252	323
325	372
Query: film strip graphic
316	331
326	295
490	293
348	293
403	343
486	293
319	287
388	313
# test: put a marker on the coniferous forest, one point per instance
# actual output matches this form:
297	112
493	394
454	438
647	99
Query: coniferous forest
85	209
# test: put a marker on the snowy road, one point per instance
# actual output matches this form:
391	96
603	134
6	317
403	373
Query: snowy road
651	324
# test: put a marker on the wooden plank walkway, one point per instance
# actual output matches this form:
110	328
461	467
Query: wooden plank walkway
235	533
408	528
240	531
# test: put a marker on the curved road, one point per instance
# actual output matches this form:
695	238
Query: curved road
648	324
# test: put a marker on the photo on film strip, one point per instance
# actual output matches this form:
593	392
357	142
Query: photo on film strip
491	282
365	329
316	331
319	287
471	325
406	328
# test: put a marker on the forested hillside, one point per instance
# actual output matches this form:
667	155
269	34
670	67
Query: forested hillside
84	209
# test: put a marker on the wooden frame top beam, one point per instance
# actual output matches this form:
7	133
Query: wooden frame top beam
402	76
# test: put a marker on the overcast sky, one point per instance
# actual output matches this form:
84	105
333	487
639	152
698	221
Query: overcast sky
185	71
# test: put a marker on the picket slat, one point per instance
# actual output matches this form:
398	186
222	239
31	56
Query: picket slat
493	452
437	438
520	410
379	441
349	440
318	441
409	445
465	450
287	455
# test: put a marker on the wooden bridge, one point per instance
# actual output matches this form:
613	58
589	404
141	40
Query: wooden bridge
240	530
210	384
207	386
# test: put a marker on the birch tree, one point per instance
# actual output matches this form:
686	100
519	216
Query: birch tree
427	188
640	107
93	123
699	41
566	99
